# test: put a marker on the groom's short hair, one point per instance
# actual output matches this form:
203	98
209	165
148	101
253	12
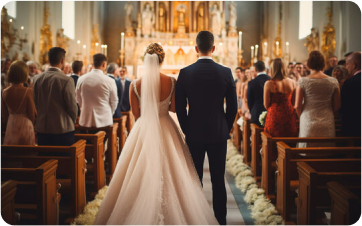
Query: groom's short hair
205	41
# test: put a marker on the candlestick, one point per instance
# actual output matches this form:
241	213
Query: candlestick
122	40
10	23
105	50
83	52
252	53
240	40
265	50
97	44
21	32
256	51
287	48
277	48
79	50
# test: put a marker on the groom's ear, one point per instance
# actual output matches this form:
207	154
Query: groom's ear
213	49
196	49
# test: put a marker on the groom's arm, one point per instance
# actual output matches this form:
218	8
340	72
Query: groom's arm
181	103
231	102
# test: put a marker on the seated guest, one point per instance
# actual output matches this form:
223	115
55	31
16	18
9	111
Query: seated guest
97	95
125	105
112	72
255	92
317	100
340	72
18	108
351	97
333	61
77	69
278	100
54	98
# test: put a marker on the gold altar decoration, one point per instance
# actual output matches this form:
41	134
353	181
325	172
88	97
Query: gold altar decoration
95	43
9	35
200	15
46	38
329	37
277	45
162	16
312	41
62	40
181	16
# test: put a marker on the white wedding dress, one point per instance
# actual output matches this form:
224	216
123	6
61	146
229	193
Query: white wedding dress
155	181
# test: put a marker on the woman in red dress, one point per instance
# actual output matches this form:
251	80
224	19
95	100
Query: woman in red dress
279	100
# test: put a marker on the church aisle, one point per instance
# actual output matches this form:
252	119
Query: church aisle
234	216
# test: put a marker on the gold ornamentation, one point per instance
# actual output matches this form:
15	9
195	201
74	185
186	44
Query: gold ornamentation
46	38
162	15
95	39
329	37
312	41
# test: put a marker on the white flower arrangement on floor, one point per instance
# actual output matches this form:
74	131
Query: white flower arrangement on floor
262	210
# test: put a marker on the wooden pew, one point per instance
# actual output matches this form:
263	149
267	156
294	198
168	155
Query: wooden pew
269	155
255	151
111	134
8	190
287	175
313	192
130	120
122	131
345	204
246	141
70	173
237	134
94	154
36	197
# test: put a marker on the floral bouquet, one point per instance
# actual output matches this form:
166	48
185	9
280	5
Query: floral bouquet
262	118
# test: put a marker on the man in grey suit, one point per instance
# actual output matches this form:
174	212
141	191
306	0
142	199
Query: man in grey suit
54	97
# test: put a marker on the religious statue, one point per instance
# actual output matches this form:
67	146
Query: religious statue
200	17
7	39
162	18
147	20
181	9
128	8
46	38
233	16
329	37
215	20
312	41
62	40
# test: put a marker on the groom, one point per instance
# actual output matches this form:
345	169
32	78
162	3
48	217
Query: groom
203	86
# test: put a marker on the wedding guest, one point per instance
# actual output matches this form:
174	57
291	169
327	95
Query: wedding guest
340	73
18	108
351	97
77	69
33	69
317	100
44	67
299	70
113	72
306	68
333	61
54	98
244	107
278	100
255	92
290	68
66	70
342	62
96	95
239	83
5	66
125	105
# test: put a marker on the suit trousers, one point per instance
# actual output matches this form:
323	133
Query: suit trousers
216	153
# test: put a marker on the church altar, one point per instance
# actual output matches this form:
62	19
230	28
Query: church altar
174	25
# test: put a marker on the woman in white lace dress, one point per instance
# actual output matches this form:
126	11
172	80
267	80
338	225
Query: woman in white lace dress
317	99
155	181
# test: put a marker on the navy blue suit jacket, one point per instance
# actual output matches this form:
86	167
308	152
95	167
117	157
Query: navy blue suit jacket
117	113
205	85
255	96
125	105
75	78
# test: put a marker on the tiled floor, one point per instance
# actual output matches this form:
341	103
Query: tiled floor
234	216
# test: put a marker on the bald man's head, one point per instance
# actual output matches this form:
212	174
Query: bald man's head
353	63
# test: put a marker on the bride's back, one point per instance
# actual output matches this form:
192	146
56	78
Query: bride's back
165	86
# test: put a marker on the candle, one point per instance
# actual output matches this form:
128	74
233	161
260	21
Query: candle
21	32
287	48
265	50
102	49
122	40
256	51
240	40
83	52
10	22
105	50
277	48
97	44
78	42
252	52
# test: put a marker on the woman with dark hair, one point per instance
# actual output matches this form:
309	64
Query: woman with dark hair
278	100
340	73
18	108
317	99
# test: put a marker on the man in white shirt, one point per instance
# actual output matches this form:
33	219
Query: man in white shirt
96	95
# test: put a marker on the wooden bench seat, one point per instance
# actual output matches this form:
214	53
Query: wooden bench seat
237	133
345	204
255	151
287	175
246	141
111	153
313	191
8	191
130	120
122	131
36	197
70	172
95	155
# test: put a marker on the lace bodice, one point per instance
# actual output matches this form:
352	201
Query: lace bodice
164	105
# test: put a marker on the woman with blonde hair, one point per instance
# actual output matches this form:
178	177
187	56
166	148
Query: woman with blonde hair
18	108
278	100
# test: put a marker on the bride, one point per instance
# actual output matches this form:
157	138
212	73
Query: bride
155	181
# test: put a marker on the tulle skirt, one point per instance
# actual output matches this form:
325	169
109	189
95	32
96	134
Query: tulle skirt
147	190
19	130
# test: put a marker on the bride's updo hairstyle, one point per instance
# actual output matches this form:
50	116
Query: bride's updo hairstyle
155	48
316	61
